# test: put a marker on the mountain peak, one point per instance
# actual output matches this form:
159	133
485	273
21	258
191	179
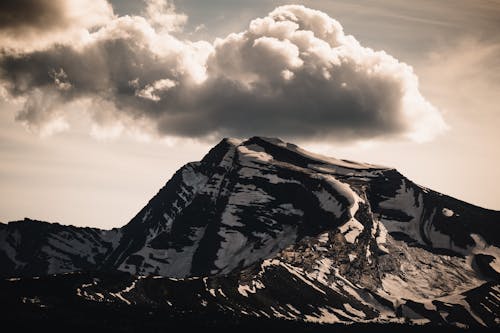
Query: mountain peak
269	149
259	215
275	141
249	199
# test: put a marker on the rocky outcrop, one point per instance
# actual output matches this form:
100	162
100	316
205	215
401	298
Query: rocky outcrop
264	229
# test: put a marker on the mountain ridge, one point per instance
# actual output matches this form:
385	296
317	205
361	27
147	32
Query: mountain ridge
257	218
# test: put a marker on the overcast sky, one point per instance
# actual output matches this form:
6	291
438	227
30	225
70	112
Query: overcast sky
100	104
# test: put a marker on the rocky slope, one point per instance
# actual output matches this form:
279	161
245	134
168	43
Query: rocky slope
33	248
262	229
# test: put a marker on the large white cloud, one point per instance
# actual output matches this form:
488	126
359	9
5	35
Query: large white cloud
293	73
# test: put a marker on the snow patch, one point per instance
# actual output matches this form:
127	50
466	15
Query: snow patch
166	262
352	228
253	153
354	311
298	272
323	317
482	247
321	271
126	290
10	249
236	249
146	215
193	179
328	203
447	212
424	276
244	289
323	238
410	203
248	172
289	209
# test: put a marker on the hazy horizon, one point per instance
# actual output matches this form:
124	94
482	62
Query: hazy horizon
101	104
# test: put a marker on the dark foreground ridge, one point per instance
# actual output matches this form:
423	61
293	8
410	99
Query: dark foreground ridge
50	303
261	233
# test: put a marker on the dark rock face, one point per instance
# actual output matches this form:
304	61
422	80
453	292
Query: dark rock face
264	230
34	248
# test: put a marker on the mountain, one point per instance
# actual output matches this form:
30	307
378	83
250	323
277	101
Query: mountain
33	248
262	231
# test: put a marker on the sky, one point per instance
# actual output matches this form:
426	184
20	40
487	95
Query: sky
101	102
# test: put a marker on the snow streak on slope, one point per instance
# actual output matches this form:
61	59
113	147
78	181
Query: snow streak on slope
416	221
251	199
262	228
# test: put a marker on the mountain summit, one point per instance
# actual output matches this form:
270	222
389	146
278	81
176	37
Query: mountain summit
264	229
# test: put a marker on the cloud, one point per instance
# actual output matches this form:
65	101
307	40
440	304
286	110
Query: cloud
293	73
152	90
35	24
163	16
472	65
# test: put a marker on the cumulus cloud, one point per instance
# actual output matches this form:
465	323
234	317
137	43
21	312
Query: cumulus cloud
293	73
163	16
35	24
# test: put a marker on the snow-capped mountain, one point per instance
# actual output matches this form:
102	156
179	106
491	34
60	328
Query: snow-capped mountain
263	229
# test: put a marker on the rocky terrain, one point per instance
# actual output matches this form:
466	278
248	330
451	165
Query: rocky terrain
262	232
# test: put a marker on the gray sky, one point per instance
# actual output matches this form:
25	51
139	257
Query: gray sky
97	173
